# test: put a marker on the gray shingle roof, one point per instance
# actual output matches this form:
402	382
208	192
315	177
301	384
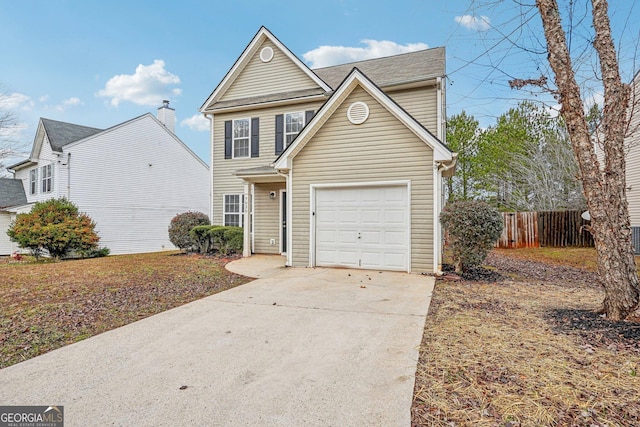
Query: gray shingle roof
12	193
61	133
397	69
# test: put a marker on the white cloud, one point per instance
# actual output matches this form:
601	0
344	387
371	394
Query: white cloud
325	56
71	102
43	98
475	23
15	101
197	122
149	85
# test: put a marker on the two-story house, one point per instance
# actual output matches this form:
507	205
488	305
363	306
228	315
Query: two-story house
131	179
337	166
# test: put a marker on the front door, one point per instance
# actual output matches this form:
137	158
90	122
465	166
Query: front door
283	220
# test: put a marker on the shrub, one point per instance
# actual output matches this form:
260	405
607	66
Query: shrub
95	253
55	226
234	240
225	240
202	238
181	225
473	228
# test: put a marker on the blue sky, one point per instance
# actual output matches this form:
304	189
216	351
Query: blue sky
99	63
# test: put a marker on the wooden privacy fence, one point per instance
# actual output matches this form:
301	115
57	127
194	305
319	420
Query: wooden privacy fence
548	228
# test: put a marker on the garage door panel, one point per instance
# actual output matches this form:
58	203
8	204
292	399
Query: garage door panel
367	227
347	237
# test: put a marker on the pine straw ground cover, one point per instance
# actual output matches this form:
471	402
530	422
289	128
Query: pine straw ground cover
45	306
527	350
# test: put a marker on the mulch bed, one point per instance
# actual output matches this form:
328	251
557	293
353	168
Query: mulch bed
592	327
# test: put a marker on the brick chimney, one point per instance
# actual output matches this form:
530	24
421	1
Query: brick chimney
167	116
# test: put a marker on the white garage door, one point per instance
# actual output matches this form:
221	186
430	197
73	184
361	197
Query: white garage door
364	227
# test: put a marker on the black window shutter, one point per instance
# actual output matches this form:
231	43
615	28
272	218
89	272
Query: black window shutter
279	134
227	139
255	137
308	115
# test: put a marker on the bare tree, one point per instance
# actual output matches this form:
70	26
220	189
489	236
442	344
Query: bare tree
9	145
604	185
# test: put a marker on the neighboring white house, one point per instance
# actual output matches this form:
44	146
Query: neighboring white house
131	179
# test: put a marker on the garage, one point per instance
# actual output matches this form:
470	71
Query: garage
362	227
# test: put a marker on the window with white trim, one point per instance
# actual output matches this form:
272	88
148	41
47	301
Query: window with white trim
241	138
233	210
293	124
46	173
33	181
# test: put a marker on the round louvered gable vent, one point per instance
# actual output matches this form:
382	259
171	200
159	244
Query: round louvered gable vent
266	54
358	113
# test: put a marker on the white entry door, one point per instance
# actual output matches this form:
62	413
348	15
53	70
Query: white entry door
362	227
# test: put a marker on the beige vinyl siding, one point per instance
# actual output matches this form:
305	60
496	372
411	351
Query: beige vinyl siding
421	103
265	78
224	182
381	149
266	219
633	163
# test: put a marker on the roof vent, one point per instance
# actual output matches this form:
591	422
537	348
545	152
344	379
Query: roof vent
358	113
266	54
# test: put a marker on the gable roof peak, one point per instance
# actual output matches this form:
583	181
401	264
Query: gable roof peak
62	133
257	40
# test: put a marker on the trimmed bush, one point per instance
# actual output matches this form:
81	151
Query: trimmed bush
473	227
181	226
212	238
56	227
234	239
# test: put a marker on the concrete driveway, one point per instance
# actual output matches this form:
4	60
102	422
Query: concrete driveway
325	347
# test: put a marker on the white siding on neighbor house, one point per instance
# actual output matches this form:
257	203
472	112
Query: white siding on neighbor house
132	180
224	182
46	157
266	78
6	246
421	103
266	221
381	149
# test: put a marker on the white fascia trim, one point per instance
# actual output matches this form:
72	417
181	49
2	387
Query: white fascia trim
249	50
269	104
312	203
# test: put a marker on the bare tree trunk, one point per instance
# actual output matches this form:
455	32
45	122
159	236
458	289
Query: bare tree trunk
605	191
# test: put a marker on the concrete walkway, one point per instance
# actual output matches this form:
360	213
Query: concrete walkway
316	347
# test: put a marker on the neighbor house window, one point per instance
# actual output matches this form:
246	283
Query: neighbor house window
47	178
293	124
233	210
33	181
241	134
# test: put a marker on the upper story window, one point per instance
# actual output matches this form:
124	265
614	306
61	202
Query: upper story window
33	181
293	124
241	137
46	173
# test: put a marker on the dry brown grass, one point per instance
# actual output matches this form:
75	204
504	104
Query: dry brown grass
492	356
575	257
49	305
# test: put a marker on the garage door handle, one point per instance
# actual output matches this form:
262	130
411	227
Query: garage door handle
359	236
